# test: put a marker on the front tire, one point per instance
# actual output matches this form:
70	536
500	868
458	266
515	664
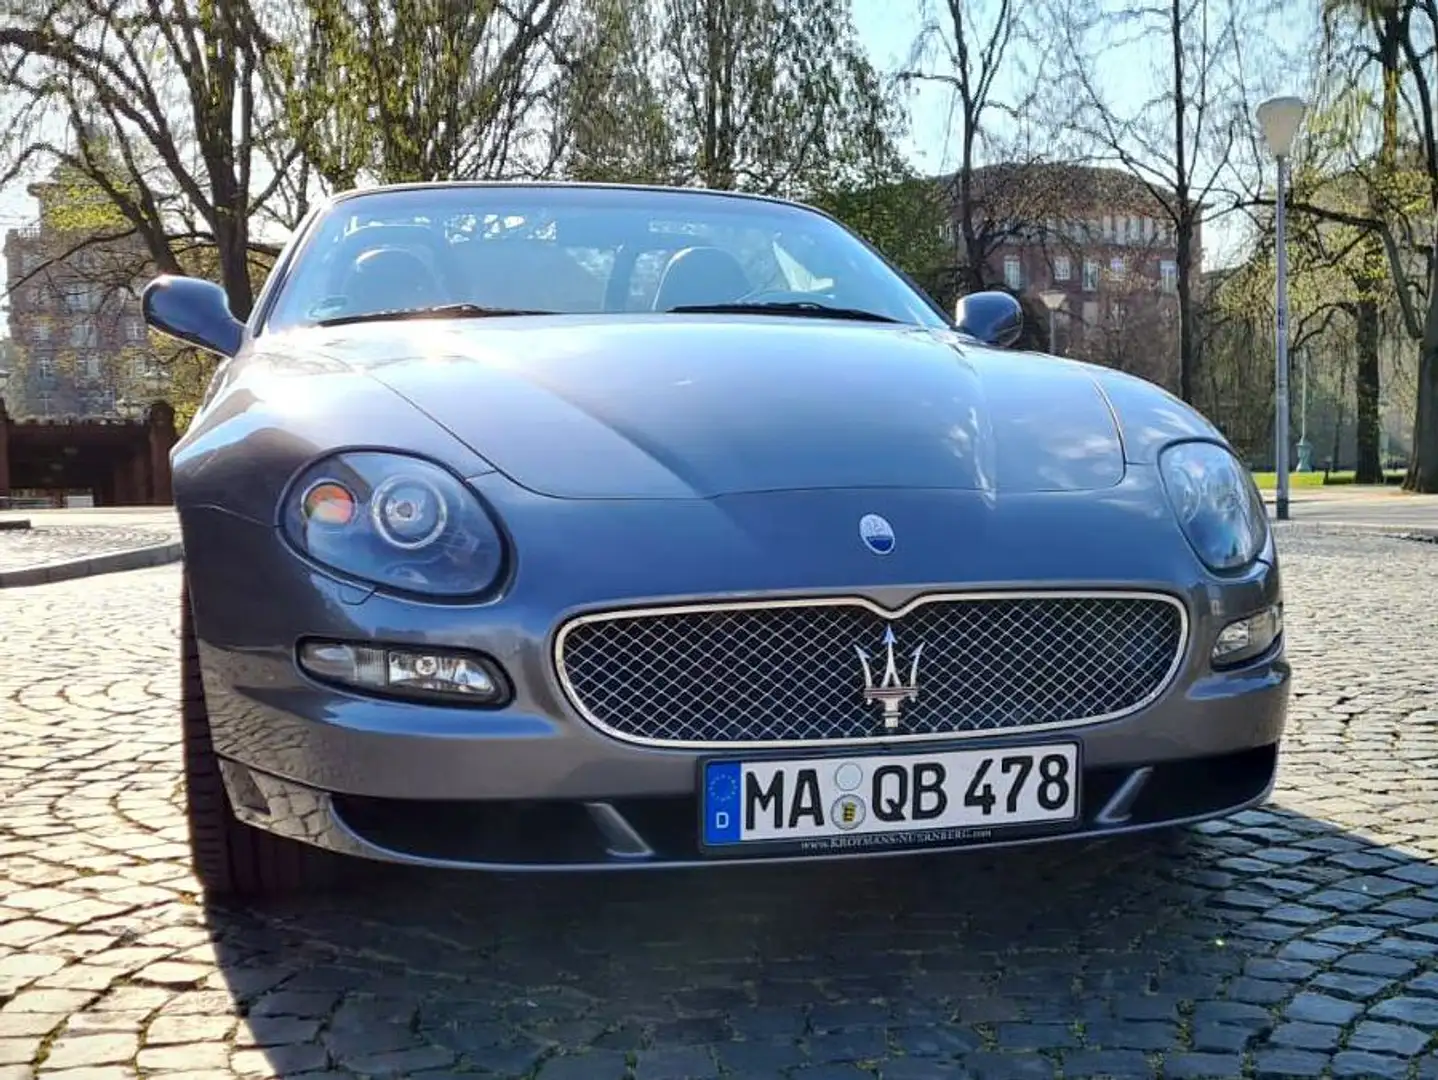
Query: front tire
230	858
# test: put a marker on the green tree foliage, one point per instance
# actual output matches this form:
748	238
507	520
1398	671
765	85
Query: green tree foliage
767	96
909	220
613	125
1381	135
389	91
771	96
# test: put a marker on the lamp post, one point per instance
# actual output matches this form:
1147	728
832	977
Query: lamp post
1053	300
1279	118
1305	448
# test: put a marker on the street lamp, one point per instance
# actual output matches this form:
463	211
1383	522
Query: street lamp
1053	300
1279	118
1305	448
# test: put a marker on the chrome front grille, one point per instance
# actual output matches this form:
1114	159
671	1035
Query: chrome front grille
788	673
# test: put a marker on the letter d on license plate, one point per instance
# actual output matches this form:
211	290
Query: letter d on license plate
935	798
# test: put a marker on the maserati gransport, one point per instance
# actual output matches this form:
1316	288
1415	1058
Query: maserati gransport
546	527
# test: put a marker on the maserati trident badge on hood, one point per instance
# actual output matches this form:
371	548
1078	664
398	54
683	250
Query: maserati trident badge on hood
877	534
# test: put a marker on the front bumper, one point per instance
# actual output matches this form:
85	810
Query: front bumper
533	786
661	832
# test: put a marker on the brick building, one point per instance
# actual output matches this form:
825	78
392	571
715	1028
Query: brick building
1098	237
78	341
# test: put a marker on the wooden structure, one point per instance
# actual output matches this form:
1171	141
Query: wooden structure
118	462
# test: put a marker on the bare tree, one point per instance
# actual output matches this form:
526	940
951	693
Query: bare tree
992	57
1177	142
159	106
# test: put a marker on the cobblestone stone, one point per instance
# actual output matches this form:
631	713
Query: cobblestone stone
1295	940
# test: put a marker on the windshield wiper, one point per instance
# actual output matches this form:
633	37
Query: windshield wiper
439	311
782	307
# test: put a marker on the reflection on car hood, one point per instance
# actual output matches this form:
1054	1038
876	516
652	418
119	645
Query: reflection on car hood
702	406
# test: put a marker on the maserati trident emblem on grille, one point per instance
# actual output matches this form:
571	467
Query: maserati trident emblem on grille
891	691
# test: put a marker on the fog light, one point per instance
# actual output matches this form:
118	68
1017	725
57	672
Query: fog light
408	673
1248	637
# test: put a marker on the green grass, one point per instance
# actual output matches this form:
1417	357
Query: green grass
1268	481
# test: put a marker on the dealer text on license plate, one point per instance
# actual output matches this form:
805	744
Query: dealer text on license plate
771	800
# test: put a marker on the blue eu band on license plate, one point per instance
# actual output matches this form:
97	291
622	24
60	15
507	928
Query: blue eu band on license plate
808	799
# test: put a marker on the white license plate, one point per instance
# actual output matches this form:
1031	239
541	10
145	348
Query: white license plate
921	798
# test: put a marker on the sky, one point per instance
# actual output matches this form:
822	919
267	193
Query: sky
888	28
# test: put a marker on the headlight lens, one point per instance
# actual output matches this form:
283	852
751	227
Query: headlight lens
395	521
1218	506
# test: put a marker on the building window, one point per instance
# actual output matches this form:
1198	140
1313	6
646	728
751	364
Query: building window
1090	313
84	335
44	402
1062	270
41	331
134	329
45	366
1116	266
1013	272
1168	275
90	366
1090	275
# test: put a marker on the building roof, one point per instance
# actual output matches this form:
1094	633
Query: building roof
1082	188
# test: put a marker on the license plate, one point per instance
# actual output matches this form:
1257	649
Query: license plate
887	800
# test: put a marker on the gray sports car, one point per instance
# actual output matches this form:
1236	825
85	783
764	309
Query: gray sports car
562	526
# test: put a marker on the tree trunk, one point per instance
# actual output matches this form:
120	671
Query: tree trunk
1184	219
1365	386
1186	363
1423	468
1338	417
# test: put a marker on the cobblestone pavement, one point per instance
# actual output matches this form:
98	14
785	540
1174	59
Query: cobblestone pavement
1296	941
43	544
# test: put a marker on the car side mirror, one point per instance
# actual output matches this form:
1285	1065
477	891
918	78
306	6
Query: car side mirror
993	317
193	311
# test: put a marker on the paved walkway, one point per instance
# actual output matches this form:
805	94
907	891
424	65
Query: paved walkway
1296	941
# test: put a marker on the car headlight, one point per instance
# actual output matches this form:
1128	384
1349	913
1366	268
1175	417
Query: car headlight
396	521
1218	506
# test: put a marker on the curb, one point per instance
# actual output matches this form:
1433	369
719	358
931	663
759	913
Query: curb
1396	531
112	562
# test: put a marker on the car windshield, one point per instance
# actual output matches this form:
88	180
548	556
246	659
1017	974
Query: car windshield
577	250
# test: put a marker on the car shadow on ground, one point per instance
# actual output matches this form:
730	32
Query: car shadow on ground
1192	943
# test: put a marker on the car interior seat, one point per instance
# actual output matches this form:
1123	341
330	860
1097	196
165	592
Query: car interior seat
386	278
700	275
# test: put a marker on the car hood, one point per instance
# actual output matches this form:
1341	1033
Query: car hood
686	407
